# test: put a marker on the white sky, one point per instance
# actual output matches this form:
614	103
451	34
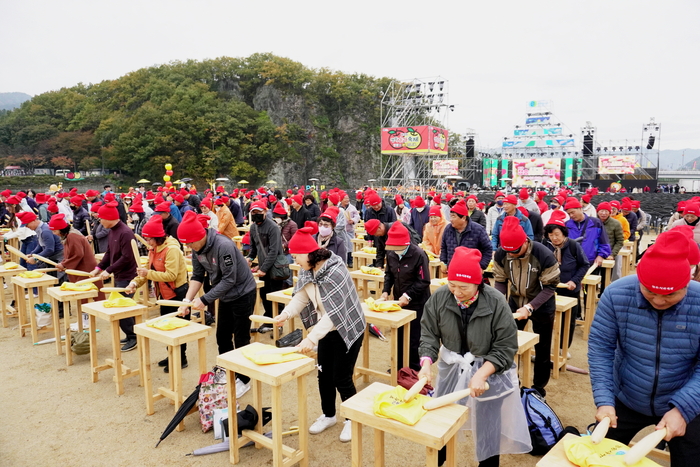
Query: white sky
615	63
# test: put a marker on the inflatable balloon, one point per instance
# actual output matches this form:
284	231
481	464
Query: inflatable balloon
168	184
168	167
169	173
166	178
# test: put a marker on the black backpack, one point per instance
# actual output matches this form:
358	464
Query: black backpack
544	425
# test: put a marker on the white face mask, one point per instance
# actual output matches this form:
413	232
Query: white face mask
325	231
420	209
278	220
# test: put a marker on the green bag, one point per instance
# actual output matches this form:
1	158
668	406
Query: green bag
80	343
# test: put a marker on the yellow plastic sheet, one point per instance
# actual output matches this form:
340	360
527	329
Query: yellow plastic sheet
168	324
442	281
390	404
370	249
117	300
31	274
382	306
255	355
288	291
489	268
371	270
11	265
608	453
70	286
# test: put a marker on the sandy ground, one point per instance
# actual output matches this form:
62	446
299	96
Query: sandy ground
52	414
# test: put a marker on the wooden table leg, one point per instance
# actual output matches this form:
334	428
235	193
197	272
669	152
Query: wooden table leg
176	372
608	273
233	421
32	315
556	339
526	363
116	358
565	338
394	362
202	351
256	387
406	344
378	448
21	307
275	329
303	420
431	457
144	344
365	355
590	310
138	319
93	350
277	456
57	326
3	303
356	443
66	329
451	460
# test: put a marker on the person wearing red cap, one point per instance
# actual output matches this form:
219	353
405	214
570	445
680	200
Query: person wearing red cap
588	231
378	209
432	235
616	214
117	262
170	224
226	223
352	217
531	272
233	285
325	299
525	201
573	264
555	204
299	214
403	212
287	230
408	275
419	215
510	210
539	199
588	208
27	237
182	205
475	214
616	239
48	245
378	232
643	350
691	217
312	207
475	354
205	206
266	246
99	236
463	232
626	209
642	223
77	251
327	236
80	214
167	271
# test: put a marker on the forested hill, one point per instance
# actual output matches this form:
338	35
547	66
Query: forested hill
251	118
11	100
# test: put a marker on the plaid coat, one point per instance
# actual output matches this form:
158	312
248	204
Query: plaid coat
339	298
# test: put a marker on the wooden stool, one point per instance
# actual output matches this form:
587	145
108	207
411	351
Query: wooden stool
435	268
591	283
71	301
436	429
395	320
274	375
26	306
280	297
14	242
565	306
608	265
526	344
173	339
436	284
113	315
295	268
625	254
362	283
6	276
362	259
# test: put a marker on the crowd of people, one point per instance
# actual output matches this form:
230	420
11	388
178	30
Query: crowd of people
530	244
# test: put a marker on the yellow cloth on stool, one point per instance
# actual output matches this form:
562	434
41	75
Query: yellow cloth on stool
168	324
371	270
255	355
31	274
390	404
382	306
11	265
117	300
288	291
608	453
72	287
370	249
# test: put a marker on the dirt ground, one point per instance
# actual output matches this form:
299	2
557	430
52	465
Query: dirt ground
51	414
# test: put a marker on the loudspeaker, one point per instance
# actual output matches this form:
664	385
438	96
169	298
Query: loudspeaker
652	140
469	154
587	145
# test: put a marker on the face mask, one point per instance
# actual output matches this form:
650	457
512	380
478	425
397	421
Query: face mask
258	218
499	202
401	253
553	206
325	231
278	220
420	209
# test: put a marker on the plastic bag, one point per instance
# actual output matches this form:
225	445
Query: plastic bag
212	395
608	453
390	404
31	274
256	356
371	270
381	306
73	287
43	314
117	300
168	324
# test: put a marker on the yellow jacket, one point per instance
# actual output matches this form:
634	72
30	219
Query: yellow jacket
227	224
166	268
432	235
625	225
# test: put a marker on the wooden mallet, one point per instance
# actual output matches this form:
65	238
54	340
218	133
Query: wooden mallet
75	272
113	289
415	389
45	260
142	240
644	446
89	280
176	303
600	430
261	319
449	398
17	252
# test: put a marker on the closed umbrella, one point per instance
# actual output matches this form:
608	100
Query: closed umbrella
181	413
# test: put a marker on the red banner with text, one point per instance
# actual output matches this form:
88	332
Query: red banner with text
417	140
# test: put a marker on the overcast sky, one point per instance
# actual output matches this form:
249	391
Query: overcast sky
616	63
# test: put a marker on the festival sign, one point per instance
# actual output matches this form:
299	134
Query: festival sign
445	167
616	164
420	140
536	172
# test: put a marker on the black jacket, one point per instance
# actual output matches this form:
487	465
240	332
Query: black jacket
537	227
314	212
409	275
574	263
478	217
170	226
300	217
385	214
380	242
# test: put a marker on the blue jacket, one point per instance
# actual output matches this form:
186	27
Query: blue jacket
474	236
595	239
654	354
496	232
175	212
419	219
49	245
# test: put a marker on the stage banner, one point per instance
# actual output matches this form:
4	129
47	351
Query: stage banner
504	171
418	140
490	168
616	164
445	167
568	170
579	169
536	172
